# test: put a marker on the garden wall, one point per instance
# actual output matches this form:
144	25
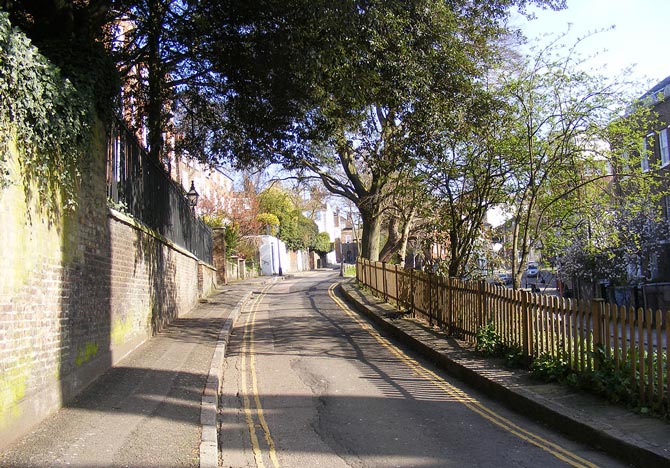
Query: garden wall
79	291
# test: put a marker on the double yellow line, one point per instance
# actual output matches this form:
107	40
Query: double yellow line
257	409
467	400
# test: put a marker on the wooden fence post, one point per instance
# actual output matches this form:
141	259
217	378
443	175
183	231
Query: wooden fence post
482	304
375	270
450	300
430	299
397	288
596	318
384	287
411	289
525	323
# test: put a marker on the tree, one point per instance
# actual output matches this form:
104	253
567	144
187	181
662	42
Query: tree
341	85
269	221
560	131
622	235
294	228
400	216
168	81
464	174
322	244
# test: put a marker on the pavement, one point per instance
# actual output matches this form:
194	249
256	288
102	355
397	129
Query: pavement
636	439
156	407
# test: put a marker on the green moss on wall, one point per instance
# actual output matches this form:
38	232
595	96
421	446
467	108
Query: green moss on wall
85	354
122	329
29	240
13	385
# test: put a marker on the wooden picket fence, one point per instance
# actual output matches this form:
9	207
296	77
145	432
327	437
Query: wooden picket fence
634	342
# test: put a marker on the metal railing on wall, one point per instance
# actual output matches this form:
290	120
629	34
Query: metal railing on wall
143	188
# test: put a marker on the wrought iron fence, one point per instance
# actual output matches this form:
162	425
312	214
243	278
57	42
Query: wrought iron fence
143	188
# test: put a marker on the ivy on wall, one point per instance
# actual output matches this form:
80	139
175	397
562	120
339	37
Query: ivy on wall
46	116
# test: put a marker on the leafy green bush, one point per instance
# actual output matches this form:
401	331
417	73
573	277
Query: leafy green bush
605	380
322	244
516	358
548	368
608	381
489	342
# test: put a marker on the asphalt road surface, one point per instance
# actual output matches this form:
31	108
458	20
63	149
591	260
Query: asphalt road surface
310	383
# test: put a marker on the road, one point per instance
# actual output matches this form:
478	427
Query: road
310	383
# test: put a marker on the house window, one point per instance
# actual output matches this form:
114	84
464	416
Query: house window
646	146
665	150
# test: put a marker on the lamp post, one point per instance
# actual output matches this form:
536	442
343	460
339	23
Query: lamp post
192	197
272	252
279	257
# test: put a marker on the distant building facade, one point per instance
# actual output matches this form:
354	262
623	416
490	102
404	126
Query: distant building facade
213	185
656	156
330	221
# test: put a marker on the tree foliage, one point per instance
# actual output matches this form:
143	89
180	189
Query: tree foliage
561	136
342	87
161	47
464	174
322	244
294	228
269	221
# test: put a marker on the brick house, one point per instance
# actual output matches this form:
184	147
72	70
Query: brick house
656	154
652	273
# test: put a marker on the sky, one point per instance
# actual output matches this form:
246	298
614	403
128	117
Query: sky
641	33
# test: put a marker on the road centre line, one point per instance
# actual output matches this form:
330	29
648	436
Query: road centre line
248	349
467	400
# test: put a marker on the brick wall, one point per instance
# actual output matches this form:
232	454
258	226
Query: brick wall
79	291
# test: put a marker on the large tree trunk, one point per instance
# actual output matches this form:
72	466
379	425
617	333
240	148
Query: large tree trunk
393	242
519	255
372	227
454	261
402	253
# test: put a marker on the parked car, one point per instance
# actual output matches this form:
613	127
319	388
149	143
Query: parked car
504	279
532	270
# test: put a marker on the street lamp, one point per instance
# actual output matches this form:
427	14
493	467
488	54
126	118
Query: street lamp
272	252
279	257
192	197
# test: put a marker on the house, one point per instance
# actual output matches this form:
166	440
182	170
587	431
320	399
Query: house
347	245
656	156
651	272
213	185
331	221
